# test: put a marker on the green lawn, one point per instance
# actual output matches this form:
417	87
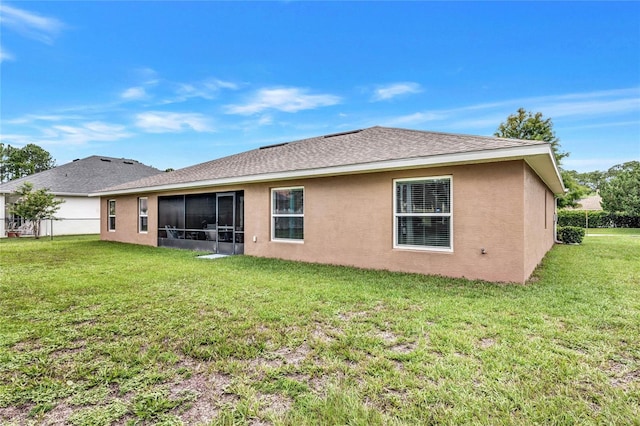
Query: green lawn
613	231
97	333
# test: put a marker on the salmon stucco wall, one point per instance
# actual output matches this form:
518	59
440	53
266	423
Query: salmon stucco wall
539	216
127	220
348	220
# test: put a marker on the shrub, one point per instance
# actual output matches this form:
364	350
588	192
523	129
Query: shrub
597	219
570	234
621	220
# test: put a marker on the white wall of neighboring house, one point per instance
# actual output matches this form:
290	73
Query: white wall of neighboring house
77	215
3	215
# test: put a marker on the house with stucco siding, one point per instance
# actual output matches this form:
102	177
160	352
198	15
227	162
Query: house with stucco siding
72	182
382	198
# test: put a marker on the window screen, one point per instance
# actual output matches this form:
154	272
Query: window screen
111	214
423	216
287	212
143	214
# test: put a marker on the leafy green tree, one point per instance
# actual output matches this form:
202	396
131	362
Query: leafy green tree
529	126
592	180
19	162
4	156
35	205
621	192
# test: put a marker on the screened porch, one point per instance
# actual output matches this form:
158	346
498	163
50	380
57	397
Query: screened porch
207	222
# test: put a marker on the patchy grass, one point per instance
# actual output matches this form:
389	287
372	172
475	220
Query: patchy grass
99	333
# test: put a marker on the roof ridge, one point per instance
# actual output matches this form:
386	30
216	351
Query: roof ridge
464	135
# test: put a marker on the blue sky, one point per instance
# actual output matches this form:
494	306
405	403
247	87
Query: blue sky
172	84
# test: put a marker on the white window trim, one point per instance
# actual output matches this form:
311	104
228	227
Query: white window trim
109	215
396	215
140	216
274	215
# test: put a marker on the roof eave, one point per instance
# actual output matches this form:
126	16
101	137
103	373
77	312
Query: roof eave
57	194
538	156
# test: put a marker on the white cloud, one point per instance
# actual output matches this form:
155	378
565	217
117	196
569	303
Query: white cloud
15	139
589	107
416	118
172	122
5	55
148	75
216	84
207	89
396	89
71	135
33	118
289	99
29	24
134	93
574	106
265	120
87	132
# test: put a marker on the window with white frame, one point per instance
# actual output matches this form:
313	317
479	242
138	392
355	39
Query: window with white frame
143	217
423	214
111	214
287	214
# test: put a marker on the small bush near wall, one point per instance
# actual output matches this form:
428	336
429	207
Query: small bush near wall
570	234
597	219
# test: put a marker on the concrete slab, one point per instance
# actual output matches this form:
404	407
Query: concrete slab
212	256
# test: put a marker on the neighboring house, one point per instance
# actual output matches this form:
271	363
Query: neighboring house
379	198
72	182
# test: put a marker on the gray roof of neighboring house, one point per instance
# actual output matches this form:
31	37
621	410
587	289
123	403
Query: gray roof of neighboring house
589	203
82	177
365	149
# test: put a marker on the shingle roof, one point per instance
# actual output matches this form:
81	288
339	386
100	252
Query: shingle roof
592	202
359	147
82	177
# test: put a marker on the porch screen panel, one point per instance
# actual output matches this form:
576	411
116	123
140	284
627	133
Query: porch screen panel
240	211
200	211
225	210
423	213
171	212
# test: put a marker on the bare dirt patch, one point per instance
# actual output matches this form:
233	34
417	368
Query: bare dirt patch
294	356
627	380
59	415
486	342
277	404
281	357
387	337
209	391
78	347
27	346
14	415
325	333
404	348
